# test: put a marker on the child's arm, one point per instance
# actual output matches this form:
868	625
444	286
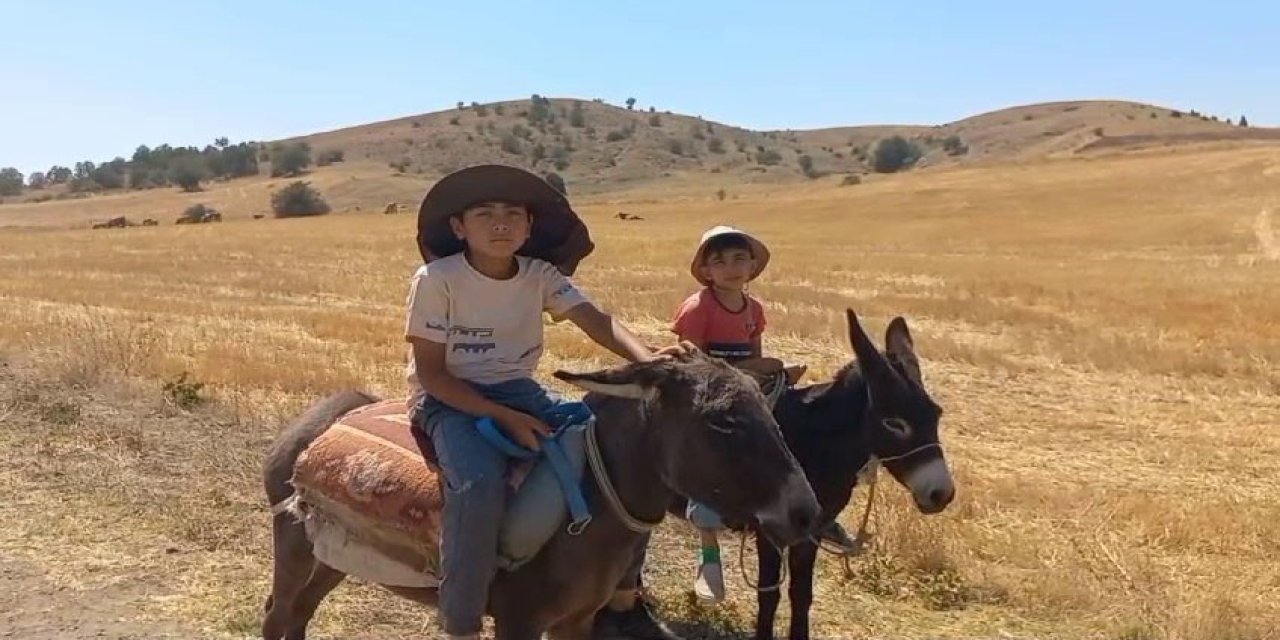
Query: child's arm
434	376
608	332
563	300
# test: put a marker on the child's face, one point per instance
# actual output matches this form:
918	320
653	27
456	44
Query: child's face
493	229
729	269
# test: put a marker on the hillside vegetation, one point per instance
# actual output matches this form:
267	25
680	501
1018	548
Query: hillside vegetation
598	147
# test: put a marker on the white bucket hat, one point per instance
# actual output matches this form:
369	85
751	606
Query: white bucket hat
758	251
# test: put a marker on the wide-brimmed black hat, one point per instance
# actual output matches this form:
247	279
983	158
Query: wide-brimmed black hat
558	236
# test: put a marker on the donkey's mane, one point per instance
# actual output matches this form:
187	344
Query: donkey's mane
844	394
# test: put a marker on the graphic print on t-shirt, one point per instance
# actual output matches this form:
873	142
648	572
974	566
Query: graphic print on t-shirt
473	332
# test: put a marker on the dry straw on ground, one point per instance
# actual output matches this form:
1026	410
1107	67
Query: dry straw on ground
1107	357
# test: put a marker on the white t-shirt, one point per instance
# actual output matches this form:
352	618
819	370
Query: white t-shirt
491	329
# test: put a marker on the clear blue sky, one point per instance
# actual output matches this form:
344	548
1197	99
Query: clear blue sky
92	80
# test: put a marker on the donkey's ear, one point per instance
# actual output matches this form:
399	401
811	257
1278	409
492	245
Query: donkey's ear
901	349
881	377
638	381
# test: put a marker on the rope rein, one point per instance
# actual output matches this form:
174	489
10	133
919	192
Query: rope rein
596	461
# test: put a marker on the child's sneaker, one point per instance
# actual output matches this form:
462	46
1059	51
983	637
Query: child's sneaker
836	535
710	582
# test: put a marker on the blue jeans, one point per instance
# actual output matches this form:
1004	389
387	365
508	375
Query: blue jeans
474	497
702	516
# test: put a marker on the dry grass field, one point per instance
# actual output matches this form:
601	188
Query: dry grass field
1104	335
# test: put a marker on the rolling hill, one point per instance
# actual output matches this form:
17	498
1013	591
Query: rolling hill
601	148
604	145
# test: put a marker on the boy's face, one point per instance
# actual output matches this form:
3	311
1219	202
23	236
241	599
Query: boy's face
729	269
494	229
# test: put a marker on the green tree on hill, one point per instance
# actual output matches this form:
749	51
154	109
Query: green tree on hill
10	181
290	160
187	172
58	174
894	154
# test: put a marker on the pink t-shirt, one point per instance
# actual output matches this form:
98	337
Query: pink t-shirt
723	333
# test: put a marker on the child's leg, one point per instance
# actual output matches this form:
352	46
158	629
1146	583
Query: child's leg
709	583
474	501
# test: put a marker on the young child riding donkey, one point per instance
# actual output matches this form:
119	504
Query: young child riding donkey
499	244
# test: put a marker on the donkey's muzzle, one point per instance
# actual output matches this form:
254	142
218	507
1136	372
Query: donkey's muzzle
931	485
791	517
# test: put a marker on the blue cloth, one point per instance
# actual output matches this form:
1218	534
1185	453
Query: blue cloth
702	516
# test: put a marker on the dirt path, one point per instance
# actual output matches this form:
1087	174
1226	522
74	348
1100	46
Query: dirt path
33	607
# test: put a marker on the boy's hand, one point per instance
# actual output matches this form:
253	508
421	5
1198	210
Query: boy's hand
670	351
523	428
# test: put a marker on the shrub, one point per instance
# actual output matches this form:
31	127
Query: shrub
655	120
290	160
768	157
851	180
894	154
953	145
806	165
715	145
298	199
331	156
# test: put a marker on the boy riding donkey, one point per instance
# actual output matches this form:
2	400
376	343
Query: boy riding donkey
499	244
723	320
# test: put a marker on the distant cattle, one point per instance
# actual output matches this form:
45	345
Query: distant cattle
627	216
199	216
118	222
150	222
392	207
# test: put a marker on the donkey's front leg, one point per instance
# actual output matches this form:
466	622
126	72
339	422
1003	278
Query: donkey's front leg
800	560
770	569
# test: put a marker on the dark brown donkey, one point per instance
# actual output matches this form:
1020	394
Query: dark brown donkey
693	426
876	406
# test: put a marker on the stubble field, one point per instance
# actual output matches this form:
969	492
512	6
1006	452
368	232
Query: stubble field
1104	336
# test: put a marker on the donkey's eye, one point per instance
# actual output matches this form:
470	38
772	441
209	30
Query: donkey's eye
897	426
722	428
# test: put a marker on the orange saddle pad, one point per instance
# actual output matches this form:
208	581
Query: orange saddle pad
376	475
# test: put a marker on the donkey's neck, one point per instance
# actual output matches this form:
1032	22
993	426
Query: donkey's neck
631	448
837	405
